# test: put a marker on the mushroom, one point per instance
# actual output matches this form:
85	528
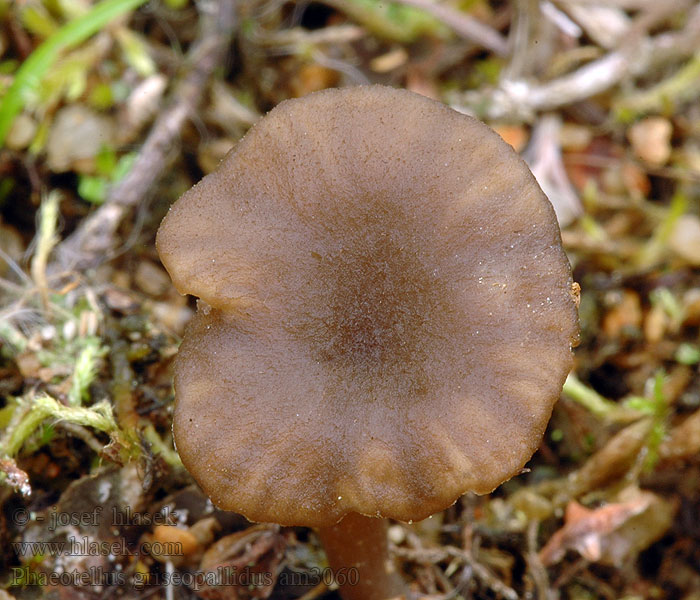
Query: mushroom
385	322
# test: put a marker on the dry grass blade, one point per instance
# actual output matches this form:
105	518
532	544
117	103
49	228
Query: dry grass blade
464	25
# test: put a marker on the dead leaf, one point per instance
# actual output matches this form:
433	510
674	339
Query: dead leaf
612	460
613	532
683	440
242	565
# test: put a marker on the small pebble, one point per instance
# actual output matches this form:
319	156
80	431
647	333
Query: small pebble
575	137
685	239
76	136
22	132
651	140
396	534
151	279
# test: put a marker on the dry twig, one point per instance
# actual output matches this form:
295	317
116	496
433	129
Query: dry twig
521	99
545	159
464	25
292	40
534	564
435	555
95	239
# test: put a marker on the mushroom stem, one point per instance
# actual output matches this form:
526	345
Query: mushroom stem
358	552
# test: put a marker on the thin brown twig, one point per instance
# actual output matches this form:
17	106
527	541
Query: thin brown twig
534	564
434	555
82	433
297	37
94	241
525	13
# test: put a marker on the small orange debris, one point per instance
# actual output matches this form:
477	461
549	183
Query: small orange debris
516	135
170	536
311	78
626	313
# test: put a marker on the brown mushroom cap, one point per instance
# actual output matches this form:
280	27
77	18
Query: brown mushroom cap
389	317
